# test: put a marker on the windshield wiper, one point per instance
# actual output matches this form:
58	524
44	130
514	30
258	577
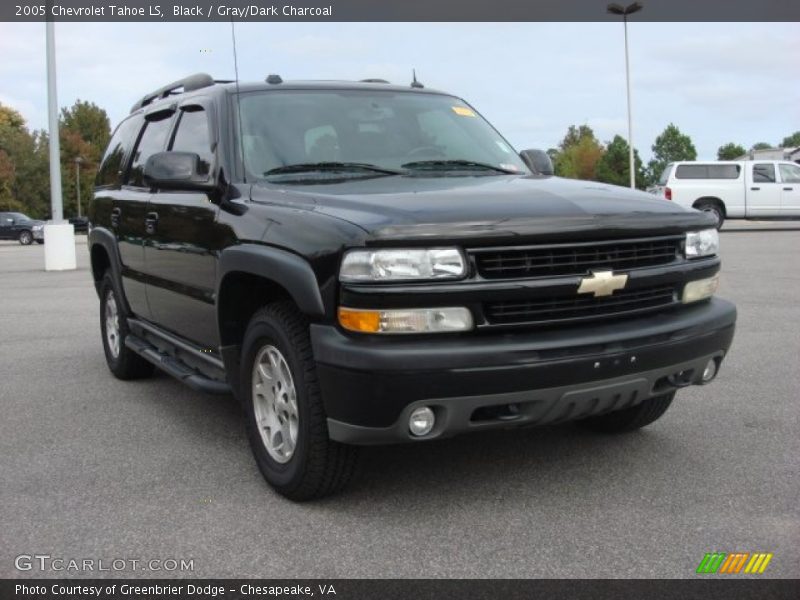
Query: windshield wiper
455	165
332	167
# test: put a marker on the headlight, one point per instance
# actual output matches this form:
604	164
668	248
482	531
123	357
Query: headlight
411	264
406	320
38	227
700	289
702	243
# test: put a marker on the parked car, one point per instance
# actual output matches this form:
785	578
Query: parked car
80	224
361	263
734	189
17	226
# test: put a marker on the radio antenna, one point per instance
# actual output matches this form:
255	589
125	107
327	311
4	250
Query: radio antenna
238	100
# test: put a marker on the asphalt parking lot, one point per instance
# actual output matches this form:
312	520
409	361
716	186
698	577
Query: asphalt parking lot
93	467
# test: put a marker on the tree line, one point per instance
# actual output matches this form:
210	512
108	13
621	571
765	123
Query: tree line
84	131
580	155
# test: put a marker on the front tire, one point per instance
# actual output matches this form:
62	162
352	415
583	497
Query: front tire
25	238
285	418
714	209
630	419
123	362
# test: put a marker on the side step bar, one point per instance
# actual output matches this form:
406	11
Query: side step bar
174	367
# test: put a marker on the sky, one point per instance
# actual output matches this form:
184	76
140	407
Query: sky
718	82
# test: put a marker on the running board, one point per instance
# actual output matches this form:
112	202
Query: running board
176	368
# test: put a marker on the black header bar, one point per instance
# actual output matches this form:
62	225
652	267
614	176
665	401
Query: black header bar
699	588
391	10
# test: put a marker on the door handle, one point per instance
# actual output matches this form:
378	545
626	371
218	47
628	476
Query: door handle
787	189
115	213
150	223
755	189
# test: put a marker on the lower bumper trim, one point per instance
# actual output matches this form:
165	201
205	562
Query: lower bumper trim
456	415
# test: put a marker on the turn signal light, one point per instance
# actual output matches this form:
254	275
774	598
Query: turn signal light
406	320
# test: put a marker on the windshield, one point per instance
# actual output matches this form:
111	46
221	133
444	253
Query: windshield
395	131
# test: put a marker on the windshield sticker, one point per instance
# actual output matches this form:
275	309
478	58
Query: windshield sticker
463	111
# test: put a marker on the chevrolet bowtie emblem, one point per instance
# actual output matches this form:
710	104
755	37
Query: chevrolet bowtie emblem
602	283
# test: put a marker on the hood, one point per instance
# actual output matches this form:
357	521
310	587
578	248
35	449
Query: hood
491	208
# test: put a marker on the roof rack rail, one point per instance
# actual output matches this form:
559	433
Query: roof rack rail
187	84
374	80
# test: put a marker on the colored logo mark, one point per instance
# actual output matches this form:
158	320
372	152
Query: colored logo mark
734	562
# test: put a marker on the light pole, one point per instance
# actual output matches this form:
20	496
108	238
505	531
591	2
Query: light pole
78	163
617	9
59	237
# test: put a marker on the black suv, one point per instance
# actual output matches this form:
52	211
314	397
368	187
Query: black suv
361	263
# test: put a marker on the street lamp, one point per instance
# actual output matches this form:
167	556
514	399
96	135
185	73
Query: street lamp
78	163
617	9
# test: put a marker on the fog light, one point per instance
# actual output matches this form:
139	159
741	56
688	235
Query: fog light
710	371
421	421
700	289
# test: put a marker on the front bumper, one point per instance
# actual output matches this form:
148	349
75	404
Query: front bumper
370	384
38	234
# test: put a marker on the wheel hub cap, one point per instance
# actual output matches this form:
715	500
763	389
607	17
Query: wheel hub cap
112	324
275	404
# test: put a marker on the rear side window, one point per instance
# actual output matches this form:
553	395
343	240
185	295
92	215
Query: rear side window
154	139
119	147
193	136
691	172
707	172
764	173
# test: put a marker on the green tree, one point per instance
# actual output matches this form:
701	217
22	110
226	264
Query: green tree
762	146
614	166
578	154
791	141
84	131
90	122
670	146
730	151
22	187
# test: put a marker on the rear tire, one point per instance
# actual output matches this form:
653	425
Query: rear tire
714	209
123	362
25	237
630	419
285	418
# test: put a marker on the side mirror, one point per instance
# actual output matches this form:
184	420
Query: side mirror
538	161
178	171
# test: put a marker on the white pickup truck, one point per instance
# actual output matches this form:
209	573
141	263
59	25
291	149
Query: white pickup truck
744	189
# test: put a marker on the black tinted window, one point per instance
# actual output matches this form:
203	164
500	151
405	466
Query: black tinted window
154	139
118	148
708	172
193	136
724	171
764	173
691	172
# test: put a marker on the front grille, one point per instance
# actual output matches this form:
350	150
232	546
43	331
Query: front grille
579	308
576	259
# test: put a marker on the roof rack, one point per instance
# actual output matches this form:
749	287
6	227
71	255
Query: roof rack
374	80
187	84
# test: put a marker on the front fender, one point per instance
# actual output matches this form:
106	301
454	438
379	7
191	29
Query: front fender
284	268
